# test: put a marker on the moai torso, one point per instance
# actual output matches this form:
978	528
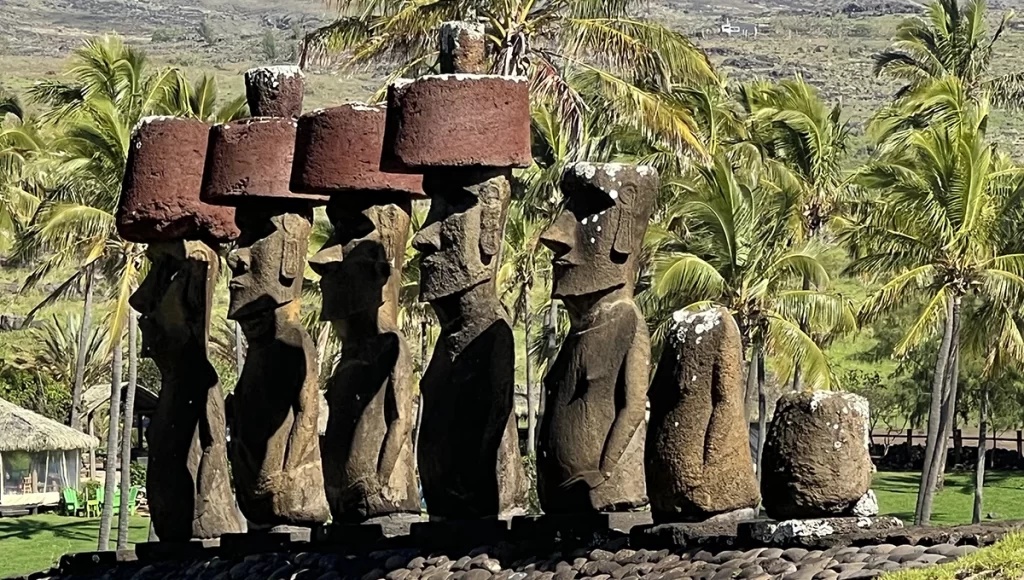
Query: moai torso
590	449
369	468
584	389
698	447
188	479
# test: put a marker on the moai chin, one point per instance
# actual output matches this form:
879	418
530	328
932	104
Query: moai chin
188	479
275	450
698	447
591	444
465	133
369	468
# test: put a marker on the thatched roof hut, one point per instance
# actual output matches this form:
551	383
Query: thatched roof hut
39	457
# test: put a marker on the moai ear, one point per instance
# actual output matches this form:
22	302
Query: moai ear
624	234
293	254
490	225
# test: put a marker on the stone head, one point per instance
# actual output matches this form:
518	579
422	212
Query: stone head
598	236
268	263
361	263
460	242
175	299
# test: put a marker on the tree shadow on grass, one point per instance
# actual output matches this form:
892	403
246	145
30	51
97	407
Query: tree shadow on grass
30	529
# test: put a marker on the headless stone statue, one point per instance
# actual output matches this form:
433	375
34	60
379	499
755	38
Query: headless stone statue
469	456
698	448
188	479
590	449
275	452
368	459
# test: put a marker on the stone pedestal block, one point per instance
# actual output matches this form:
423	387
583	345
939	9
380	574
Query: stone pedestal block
162	181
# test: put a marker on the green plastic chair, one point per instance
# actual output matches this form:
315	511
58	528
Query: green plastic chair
133	499
93	506
72	505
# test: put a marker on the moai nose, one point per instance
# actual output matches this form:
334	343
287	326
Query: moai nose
328	255
559	236
428	239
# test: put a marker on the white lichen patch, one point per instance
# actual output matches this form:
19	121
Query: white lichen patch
645	170
461	77
696	323
613	194
151	119
585	170
365	108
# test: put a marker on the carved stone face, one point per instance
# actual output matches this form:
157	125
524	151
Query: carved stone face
462	236
361	263
267	266
175	298
596	239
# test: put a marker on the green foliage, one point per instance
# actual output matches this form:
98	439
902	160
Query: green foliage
268	44
36	391
532	499
138	475
1002	561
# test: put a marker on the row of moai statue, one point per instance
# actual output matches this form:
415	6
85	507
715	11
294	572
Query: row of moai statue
454	139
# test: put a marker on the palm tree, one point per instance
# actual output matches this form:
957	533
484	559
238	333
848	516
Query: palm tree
573	51
22	145
953	40
729	243
199	101
933	234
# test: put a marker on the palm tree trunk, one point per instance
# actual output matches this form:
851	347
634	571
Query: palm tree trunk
979	469
83	345
423	369
110	481
239	349
944	427
762	407
938	384
123	516
805	327
531	388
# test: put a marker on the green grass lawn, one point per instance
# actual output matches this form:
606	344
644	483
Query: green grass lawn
1004	496
33	543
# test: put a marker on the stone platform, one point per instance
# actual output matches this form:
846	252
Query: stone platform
647	553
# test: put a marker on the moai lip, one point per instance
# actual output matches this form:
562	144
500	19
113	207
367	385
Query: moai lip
463	48
458	121
338	150
817	460
698	449
274	91
252	158
162	182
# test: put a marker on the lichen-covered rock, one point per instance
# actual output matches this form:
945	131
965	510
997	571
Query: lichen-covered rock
816	457
274	91
698	454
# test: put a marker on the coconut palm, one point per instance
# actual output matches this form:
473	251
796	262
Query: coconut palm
951	40
199	100
934	234
572	51
729	243
22	146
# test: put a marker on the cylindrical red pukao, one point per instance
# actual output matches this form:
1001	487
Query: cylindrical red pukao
274	91
338	150
162	181
471	121
252	158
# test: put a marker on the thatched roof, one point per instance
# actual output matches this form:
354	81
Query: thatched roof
96	396
23	430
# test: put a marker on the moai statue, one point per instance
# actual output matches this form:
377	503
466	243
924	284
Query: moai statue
817	457
698	449
465	133
591	444
275	450
369	468
188	479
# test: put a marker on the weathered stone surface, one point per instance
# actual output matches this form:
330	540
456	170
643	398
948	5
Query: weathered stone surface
458	121
249	159
275	451
590	448
867	505
274	91
369	467
816	458
463	48
474	470
698	454
338	150
188	480
784	533
163	177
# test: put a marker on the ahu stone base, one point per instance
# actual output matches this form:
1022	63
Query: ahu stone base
789	532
